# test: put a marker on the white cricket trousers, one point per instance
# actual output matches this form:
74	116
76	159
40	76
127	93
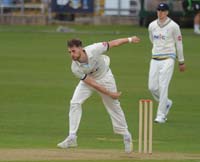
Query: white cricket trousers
84	91
160	75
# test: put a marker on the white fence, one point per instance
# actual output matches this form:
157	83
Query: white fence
42	8
122	7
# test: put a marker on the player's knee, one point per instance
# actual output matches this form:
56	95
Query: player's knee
152	88
163	87
74	105
75	109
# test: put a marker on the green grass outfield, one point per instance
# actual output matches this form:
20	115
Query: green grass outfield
36	85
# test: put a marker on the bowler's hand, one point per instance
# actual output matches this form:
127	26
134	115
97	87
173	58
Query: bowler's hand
182	67
135	39
115	95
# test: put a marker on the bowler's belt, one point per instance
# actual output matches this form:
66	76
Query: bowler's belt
160	59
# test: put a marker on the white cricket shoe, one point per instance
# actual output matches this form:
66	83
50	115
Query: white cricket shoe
160	120
68	142
168	107
197	32
128	145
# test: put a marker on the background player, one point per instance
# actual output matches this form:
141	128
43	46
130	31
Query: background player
194	7
166	38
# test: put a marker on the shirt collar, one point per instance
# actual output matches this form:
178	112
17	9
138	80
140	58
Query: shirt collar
164	23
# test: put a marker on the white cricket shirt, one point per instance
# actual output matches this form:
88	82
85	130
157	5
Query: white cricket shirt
97	65
166	39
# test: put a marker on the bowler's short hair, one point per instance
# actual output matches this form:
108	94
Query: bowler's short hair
74	42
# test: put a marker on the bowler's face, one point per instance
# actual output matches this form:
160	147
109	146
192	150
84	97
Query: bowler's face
75	52
162	14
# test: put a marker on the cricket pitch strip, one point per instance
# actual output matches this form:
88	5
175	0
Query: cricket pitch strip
87	154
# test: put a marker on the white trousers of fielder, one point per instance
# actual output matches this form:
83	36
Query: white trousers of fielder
83	92
160	75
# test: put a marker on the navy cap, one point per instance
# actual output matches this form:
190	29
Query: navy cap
163	7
